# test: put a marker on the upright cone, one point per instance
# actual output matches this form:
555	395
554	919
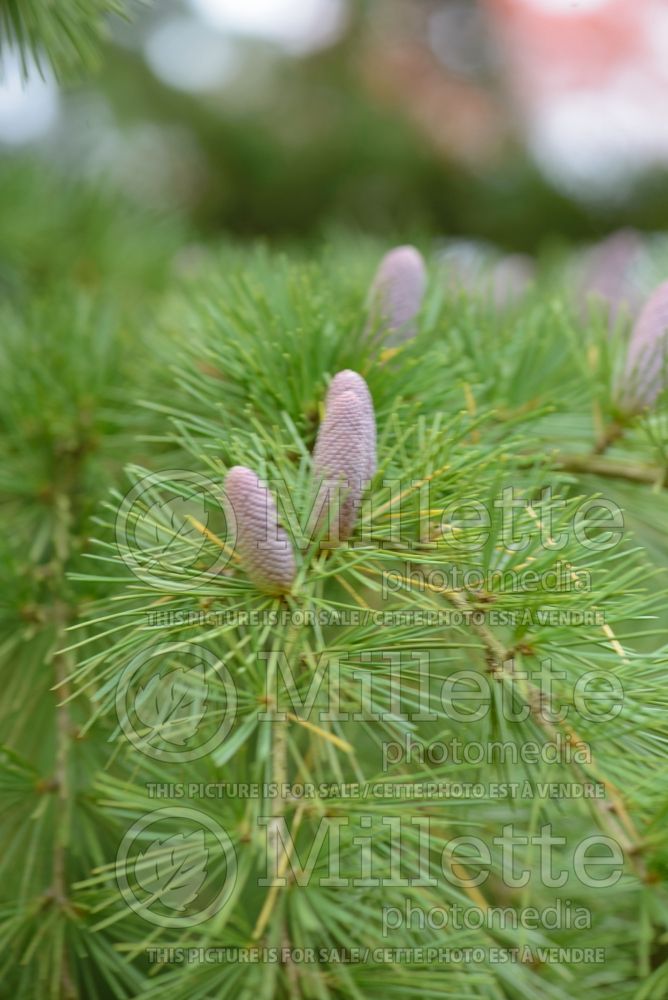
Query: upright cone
608	272
344	458
397	292
647	357
262	545
350	381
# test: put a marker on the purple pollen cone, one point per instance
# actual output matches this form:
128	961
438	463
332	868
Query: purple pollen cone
397	291
262	545
350	381
608	273
344	454
644	370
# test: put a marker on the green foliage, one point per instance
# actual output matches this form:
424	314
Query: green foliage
57	234
66	35
232	368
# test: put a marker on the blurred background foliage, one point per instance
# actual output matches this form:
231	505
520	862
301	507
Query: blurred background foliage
286	119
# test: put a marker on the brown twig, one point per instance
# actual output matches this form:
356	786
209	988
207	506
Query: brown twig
62	667
612	433
279	774
635	472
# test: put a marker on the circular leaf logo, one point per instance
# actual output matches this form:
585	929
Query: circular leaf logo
172	531
165	870
176	702
172	705
174	869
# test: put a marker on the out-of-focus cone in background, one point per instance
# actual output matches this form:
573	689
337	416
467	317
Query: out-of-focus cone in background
512	276
474	267
610	273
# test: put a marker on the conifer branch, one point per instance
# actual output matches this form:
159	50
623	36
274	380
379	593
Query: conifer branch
279	776
502	663
68	35
267	420
596	465
610	435
613	816
63	665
